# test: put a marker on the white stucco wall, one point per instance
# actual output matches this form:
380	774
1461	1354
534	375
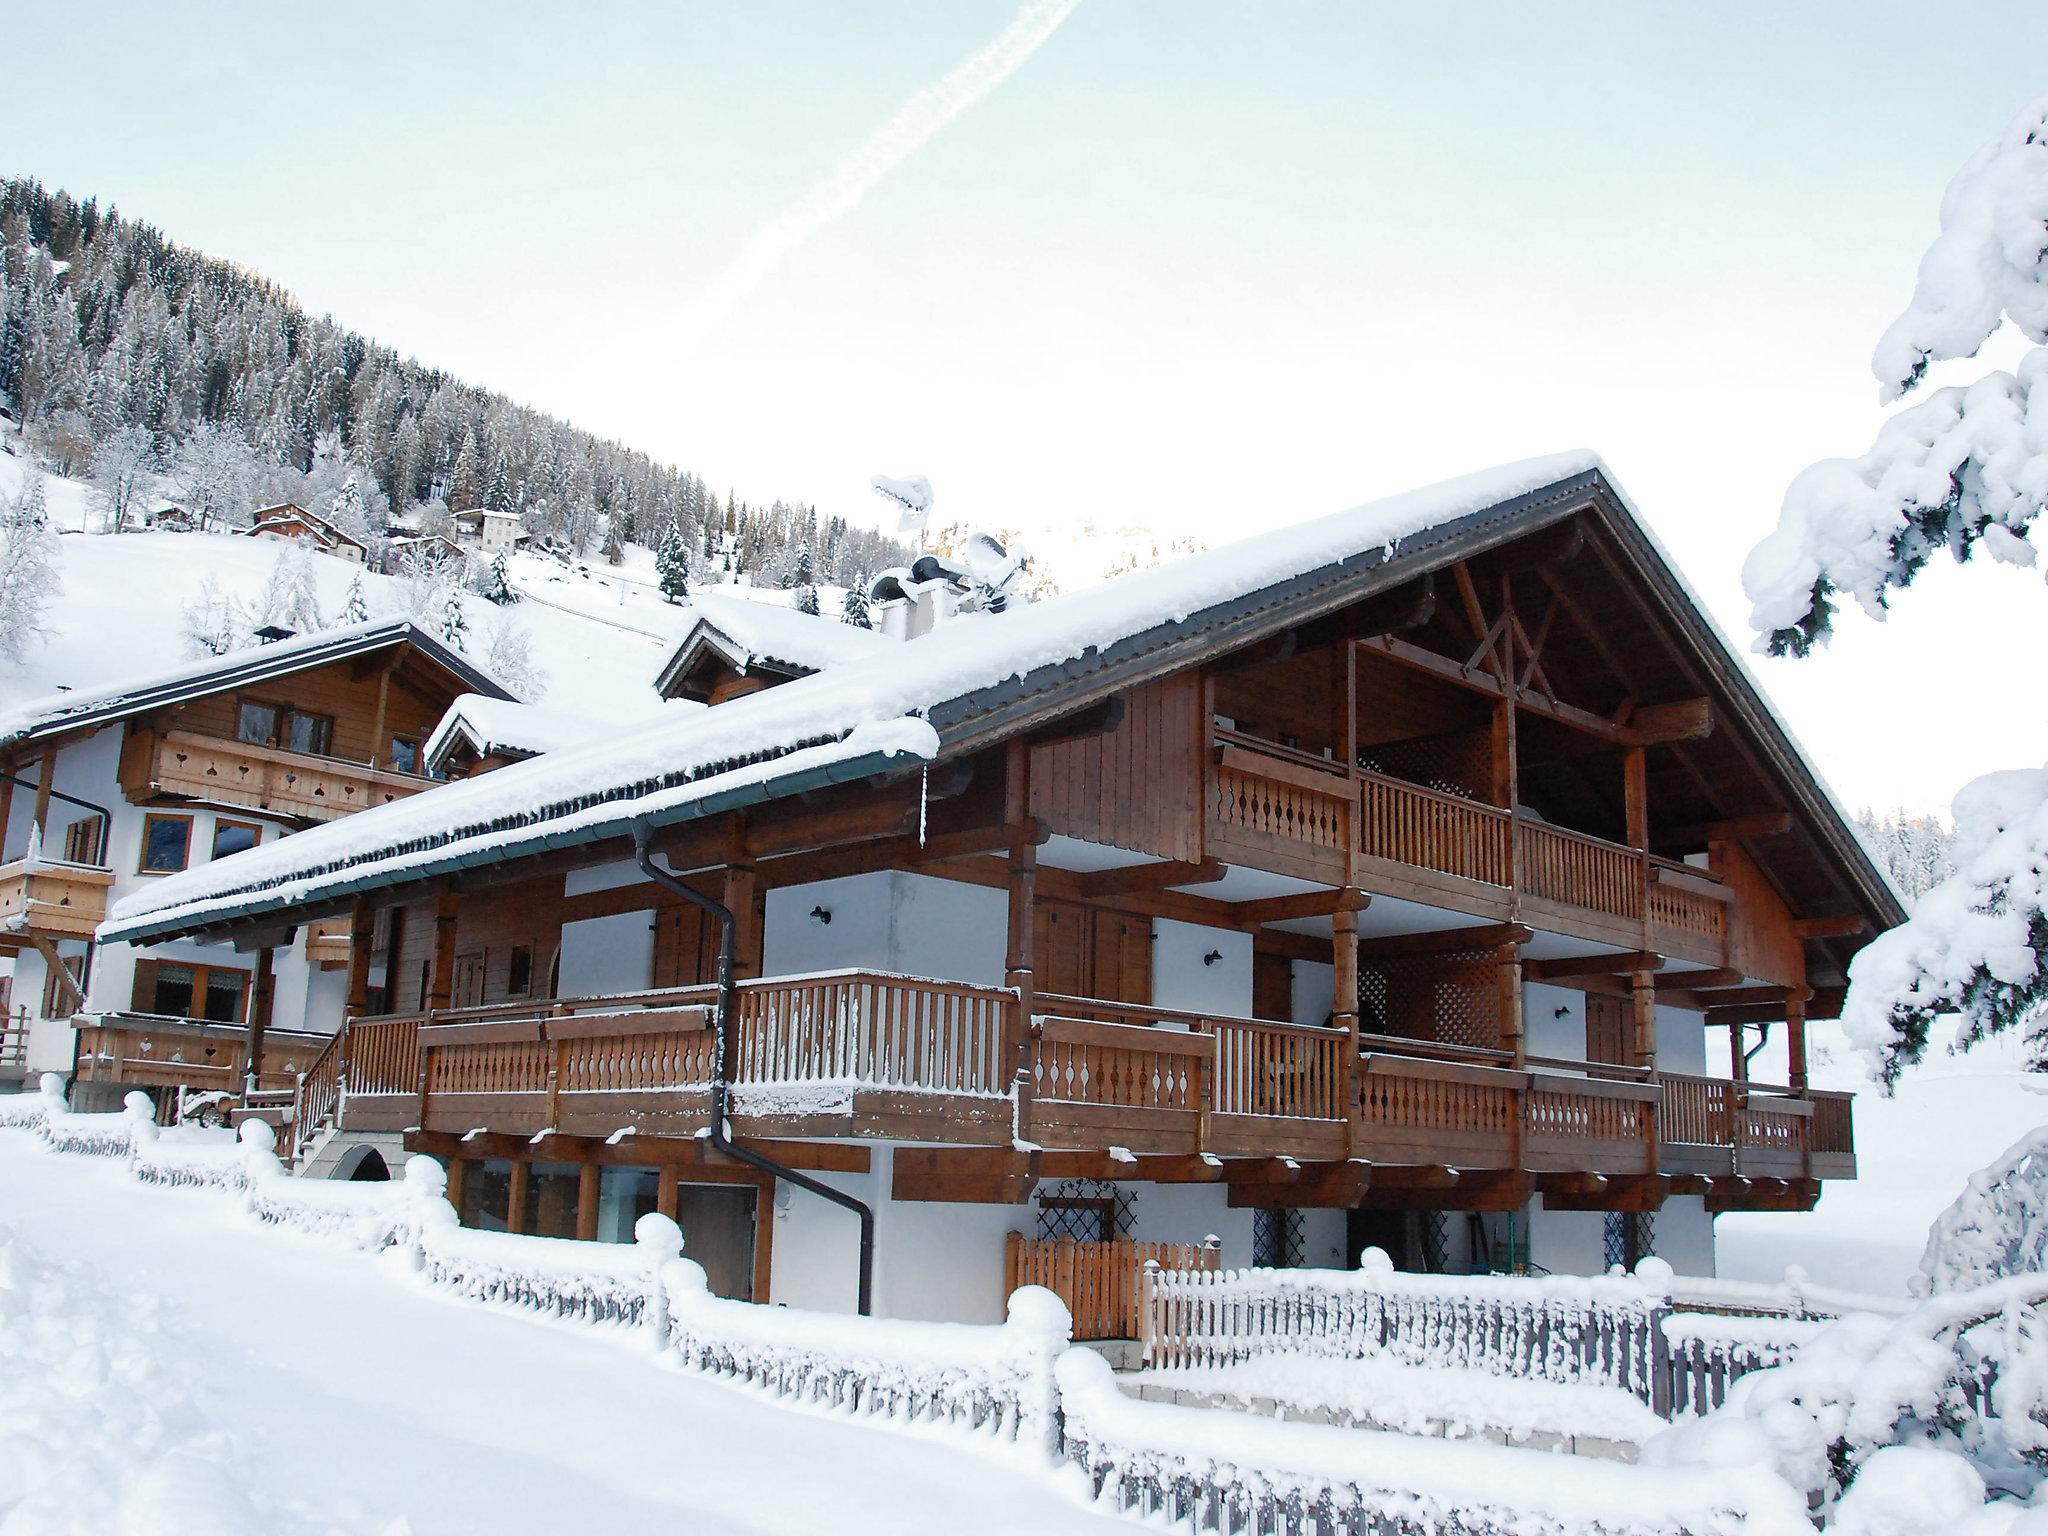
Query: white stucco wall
602	955
1548	1031
915	925
1682	1042
1315	991
1181	980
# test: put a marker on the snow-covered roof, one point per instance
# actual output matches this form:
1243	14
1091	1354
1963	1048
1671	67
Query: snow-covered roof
56	713
292	512
849	721
746	633
963	685
495	727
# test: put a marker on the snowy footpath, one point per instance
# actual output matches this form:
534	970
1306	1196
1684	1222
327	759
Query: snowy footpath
168	1368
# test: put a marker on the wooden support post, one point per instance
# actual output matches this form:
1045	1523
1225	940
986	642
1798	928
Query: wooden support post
1344	1010
1738	1064
1635	791
1795	1040
457	1169
441	979
362	936
740	895
1643	997
589	1184
378	740
1506	788
1020	958
665	1182
515	1197
46	770
262	995
1513	1039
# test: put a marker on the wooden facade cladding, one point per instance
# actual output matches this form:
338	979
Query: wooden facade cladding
187	765
63	901
1137	785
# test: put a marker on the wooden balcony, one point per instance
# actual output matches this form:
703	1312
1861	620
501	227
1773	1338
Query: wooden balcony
1308	818
163	1051
52	898
224	771
857	1054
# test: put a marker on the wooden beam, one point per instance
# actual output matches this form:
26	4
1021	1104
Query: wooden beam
968	842
1485	682
1150	877
1445	941
1281	909
1677	720
1735	829
1639	1193
971	1175
1593	965
1265	653
1844	927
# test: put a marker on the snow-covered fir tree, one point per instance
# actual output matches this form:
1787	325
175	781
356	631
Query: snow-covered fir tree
28	568
855	609
289	599
672	564
453	627
1918	852
1964	470
355	608
806	600
508	656
123	328
496	586
213	621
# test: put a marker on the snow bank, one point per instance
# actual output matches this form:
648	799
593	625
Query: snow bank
1238	1471
104	1431
995	1380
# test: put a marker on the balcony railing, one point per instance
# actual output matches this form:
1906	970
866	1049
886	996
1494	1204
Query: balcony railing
166	1051
1309	815
52	897
863	1054
230	772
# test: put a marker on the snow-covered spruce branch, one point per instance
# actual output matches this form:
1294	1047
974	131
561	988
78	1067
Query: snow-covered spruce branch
1226	1471
1975	942
1998	1225
995	1380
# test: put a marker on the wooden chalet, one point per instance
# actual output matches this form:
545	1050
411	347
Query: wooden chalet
295	523
110	791
1428	875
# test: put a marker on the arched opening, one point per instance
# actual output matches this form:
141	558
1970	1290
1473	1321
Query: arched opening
365	1165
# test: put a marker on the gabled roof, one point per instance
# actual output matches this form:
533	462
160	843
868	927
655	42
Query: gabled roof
61	713
292	512
495	727
750	636
965	685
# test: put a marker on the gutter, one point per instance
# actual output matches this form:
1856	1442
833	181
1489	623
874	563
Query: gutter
106	816
721	1059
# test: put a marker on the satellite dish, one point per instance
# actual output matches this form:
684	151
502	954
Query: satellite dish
912	495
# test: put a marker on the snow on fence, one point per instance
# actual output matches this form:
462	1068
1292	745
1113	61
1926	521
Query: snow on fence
992	1379
1558	1328
30	1111
1794	1296
106	1135
619	1283
1238	1472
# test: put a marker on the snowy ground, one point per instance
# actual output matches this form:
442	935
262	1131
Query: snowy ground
1952	1115
265	1382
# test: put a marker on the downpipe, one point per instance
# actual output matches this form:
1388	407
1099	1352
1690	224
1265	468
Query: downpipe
721	1059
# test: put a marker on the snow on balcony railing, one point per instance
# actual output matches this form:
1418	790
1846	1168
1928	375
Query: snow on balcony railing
991	1379
612	1283
1216	1469
1557	1328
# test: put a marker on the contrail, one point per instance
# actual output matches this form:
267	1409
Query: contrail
909	130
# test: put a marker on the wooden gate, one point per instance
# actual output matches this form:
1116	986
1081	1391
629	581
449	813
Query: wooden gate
1099	1280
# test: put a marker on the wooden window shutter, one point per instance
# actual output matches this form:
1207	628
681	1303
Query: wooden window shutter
1607	1028
143	997
1123	958
1060	948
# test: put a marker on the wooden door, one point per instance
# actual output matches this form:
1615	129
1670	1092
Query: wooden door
1272	987
685	947
1121	952
1607	1028
1059	943
469	977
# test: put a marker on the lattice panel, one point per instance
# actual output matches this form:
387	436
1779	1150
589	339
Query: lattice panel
1278	1237
1088	1210
1629	1238
1452	999
1460	764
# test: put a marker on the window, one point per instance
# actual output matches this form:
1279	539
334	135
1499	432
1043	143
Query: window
519	972
82	842
166	844
258	723
273	725
209	992
405	754
234	837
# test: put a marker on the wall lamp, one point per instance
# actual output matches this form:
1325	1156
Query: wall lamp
1212	957
821	914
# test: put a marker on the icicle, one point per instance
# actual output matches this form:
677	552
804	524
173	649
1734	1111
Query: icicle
924	792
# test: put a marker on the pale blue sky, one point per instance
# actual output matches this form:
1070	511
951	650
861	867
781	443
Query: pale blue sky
1205	265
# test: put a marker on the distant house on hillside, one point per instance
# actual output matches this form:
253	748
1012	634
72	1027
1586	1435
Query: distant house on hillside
432	546
170	518
289	521
736	646
502	531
